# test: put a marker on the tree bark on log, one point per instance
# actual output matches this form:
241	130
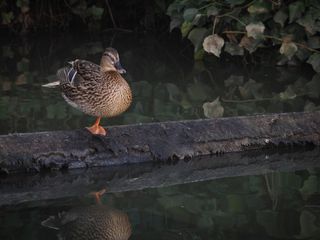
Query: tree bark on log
155	141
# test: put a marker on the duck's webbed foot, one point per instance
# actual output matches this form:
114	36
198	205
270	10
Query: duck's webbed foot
96	129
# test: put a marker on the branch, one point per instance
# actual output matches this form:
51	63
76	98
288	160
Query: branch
111	15
301	45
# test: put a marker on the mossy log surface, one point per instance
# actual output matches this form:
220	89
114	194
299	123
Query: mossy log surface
155	141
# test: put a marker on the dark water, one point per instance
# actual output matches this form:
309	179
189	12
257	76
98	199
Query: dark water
167	84
277	205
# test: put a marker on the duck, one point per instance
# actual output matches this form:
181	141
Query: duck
95	222
96	90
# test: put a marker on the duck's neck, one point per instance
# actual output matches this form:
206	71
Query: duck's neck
106	66
108	69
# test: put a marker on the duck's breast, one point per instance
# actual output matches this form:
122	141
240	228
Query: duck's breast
115	98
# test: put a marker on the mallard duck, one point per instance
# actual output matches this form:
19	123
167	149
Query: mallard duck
96	222
98	91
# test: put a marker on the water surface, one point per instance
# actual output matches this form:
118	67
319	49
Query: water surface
167	84
277	205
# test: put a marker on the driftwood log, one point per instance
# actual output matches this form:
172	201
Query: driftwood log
155	141
41	189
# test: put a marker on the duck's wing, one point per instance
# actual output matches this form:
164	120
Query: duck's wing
80	73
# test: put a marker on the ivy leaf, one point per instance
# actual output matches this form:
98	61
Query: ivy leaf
185	28
314	42
175	94
249	43
198	55
233	81
295	10
280	17
255	30
174	8
314	60
212	11
313	86
175	22
250	89
199	91
7	17
213	109
303	54
308	226
96	12
288	94
80	9
310	186
259	7
189	14
288	49
199	20
233	49
196	36
213	44
309	21
310	107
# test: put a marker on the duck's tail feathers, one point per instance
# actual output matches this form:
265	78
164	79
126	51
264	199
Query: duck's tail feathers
52	84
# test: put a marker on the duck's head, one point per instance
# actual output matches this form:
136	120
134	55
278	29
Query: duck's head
110	61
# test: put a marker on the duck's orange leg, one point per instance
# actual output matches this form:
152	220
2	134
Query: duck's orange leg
96	128
97	195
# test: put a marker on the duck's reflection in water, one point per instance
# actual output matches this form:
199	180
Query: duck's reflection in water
96	222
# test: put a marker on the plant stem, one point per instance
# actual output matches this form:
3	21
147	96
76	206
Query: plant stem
301	45
205	6
216	19
111	15
306	47
234	32
233	17
246	100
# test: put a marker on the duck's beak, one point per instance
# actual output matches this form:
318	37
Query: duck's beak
119	68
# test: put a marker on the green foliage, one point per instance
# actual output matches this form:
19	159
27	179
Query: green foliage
7	17
245	26
314	60
24	16
96	12
213	109
196	36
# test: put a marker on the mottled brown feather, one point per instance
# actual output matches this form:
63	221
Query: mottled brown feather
94	91
97	222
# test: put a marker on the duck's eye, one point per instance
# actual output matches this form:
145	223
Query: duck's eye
110	57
